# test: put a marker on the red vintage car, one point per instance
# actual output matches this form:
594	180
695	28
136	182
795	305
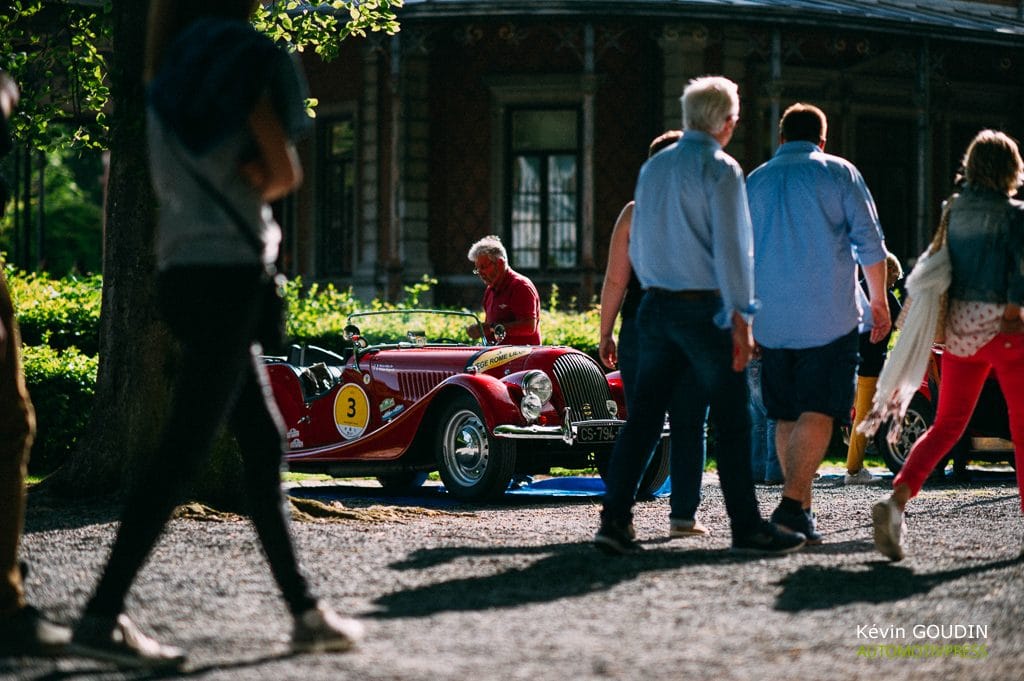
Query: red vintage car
988	432
411	393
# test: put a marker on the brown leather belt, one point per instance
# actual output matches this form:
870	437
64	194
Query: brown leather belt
688	294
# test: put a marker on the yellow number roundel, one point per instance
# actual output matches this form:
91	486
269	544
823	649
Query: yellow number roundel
351	411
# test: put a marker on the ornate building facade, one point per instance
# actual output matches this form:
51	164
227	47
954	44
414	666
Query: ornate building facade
531	119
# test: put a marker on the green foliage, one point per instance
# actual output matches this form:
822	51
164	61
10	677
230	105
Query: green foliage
73	240
317	315
324	25
580	330
59	313
52	49
63	313
62	385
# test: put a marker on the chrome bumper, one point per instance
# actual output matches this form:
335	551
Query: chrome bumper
596	431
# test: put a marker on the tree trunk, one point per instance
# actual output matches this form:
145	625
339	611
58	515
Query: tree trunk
137	354
135	360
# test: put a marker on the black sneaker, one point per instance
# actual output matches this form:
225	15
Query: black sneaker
617	538
804	522
28	632
122	643
769	539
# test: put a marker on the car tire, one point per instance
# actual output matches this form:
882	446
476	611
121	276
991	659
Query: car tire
656	473
474	465
919	418
653	478
402	483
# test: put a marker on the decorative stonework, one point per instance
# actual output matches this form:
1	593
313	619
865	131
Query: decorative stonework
512	34
694	35
468	35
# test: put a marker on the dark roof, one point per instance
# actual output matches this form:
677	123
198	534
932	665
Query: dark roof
952	19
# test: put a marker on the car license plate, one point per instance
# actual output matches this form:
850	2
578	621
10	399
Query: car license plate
603	433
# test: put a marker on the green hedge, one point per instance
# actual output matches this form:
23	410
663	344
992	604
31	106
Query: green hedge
59	313
318	315
62	384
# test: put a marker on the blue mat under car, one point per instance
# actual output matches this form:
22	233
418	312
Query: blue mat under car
572	486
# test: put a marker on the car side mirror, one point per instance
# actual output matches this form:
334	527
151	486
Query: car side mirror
351	334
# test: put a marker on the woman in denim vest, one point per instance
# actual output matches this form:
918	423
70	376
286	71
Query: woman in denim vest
984	332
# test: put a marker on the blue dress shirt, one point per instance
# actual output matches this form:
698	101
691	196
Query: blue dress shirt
691	224
814	220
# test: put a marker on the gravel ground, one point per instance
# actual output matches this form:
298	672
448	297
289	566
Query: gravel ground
516	591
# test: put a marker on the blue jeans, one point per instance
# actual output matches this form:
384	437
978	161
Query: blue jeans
686	458
764	459
685	367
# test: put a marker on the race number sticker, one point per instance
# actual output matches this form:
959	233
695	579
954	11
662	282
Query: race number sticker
351	411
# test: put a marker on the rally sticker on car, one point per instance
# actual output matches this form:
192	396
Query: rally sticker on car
490	359
351	411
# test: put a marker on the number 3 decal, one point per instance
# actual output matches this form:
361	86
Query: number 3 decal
351	411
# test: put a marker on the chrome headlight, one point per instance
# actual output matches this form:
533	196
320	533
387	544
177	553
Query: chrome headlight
536	391
537	383
530	406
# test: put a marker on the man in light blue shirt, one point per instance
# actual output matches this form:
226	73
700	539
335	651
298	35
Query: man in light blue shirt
814	221
691	248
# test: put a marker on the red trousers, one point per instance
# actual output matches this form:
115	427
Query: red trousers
962	381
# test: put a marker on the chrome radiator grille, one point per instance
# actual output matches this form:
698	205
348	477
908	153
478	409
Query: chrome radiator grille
584	387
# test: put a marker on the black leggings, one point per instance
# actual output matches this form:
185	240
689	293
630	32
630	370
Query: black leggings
213	313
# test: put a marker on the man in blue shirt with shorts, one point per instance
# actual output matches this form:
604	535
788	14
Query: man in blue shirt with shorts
814	221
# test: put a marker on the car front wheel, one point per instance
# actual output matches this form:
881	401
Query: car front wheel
474	465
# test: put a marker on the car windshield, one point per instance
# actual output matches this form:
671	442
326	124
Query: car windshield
415	327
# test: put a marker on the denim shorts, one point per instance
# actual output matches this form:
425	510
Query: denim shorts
822	379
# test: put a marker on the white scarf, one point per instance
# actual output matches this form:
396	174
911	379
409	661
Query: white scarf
904	370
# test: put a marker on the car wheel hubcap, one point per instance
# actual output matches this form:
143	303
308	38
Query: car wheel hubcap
466	449
913	426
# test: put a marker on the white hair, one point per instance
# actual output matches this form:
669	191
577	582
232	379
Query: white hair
708	103
490	246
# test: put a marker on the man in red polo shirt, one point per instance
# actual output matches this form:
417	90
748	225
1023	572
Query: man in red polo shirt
510	298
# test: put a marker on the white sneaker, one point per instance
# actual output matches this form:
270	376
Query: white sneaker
889	528
861	477
321	630
686	528
120	641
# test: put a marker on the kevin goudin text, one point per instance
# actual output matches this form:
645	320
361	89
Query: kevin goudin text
923	632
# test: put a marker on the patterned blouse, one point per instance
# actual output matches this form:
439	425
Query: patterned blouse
970	324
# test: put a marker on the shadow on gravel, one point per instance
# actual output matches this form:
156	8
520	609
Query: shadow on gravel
44	513
815	587
94	670
564	571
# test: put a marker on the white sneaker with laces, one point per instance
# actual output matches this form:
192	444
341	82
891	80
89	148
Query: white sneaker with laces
321	630
890	527
861	477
